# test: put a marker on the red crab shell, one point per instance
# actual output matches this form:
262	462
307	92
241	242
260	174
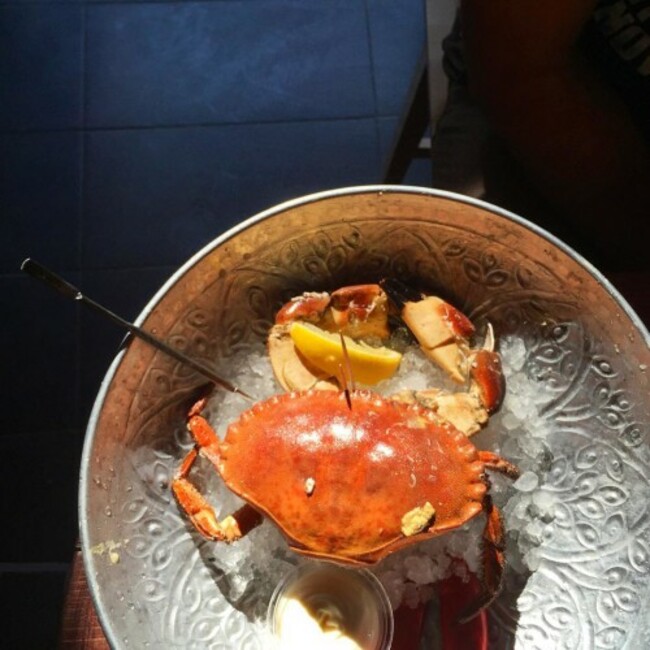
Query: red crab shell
338	480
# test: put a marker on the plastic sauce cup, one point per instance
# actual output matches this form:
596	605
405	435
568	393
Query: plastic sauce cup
325	606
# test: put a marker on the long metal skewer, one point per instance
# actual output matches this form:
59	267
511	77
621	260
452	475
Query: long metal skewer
56	282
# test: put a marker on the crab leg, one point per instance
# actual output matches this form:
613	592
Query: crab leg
496	463
486	374
493	561
493	539
204	519
193	503
454	595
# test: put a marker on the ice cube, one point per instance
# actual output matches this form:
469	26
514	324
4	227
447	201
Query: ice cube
511	422
513	351
533	558
420	569
527	482
394	585
544	503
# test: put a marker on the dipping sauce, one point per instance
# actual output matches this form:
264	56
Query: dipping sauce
327	607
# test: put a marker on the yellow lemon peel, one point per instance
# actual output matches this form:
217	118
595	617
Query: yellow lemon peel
323	349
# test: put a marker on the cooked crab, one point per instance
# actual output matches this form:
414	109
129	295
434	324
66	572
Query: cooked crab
346	480
349	475
362	312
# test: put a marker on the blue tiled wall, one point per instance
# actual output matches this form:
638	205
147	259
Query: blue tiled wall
133	133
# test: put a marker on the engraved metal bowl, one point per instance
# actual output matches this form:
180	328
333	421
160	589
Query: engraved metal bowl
152	581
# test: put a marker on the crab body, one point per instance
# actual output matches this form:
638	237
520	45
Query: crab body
339	481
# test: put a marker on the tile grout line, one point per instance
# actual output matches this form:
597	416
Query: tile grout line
100	3
34	567
373	82
192	125
80	213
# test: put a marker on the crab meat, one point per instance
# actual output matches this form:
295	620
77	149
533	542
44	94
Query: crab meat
444	334
359	311
442	331
292	369
345	480
469	411
418	520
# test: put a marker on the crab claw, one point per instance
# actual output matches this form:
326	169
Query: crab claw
444	334
360	311
308	306
442	331
468	411
487	375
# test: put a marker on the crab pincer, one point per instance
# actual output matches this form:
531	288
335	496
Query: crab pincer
445	336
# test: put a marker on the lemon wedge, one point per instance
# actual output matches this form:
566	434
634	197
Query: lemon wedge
324	350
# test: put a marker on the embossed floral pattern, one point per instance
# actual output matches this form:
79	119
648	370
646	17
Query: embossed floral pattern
590	586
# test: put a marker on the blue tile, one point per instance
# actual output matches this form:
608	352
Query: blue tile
41	481
155	196
398	34
40	179
387	127
126	292
38	373
40	66
223	62
205	63
419	171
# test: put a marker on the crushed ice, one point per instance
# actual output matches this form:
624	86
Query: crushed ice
517	432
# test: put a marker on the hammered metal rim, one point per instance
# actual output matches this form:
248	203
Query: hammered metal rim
91	428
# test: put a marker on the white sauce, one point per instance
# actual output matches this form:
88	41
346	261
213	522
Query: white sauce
329	609
299	628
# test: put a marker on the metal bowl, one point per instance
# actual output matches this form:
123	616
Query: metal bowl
155	583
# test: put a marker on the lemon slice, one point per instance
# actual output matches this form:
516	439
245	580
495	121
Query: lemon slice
324	350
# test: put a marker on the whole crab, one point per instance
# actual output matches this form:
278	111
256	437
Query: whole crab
349	475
